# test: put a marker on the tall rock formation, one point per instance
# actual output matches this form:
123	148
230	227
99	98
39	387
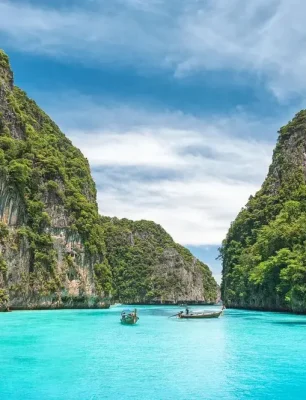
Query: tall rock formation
148	267
50	232
264	253
55	250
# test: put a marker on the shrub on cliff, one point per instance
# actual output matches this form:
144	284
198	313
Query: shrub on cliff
264	256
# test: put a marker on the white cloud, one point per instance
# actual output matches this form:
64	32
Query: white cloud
260	37
194	211
190	175
211	151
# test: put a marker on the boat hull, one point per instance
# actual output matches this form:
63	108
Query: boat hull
201	316
129	320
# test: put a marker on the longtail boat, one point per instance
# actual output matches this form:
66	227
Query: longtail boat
199	314
129	317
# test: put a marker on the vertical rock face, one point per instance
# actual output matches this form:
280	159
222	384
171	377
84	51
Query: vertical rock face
11	207
264	258
55	250
47	198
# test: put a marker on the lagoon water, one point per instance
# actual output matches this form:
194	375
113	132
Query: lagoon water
89	355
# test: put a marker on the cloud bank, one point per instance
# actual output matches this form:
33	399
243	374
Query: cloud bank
258	38
191	175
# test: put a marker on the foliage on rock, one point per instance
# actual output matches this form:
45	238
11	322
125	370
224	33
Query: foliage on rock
124	260
41	163
264	253
148	266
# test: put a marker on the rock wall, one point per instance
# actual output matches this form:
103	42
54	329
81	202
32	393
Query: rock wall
55	249
11	206
74	266
264	256
149	267
24	282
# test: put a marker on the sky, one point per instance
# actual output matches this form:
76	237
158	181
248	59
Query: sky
175	103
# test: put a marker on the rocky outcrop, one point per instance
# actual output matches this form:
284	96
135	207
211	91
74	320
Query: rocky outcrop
46	259
264	256
149	267
74	266
55	250
11	206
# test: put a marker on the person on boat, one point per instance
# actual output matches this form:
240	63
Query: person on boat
187	311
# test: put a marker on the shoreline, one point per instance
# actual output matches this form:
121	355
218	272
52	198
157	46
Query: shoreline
102	307
168	305
106	307
42	308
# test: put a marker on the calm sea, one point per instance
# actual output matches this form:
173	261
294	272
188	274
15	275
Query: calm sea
89	355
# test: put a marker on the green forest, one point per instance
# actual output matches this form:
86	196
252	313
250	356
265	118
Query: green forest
264	253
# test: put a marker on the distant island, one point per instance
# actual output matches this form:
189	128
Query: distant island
56	251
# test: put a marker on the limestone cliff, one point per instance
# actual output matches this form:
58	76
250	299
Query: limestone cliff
149	267
49	231
55	250
264	256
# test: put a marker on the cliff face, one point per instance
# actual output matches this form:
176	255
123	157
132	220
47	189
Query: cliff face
55	250
49	231
264	253
148	267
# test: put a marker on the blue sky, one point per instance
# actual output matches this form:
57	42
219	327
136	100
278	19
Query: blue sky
176	104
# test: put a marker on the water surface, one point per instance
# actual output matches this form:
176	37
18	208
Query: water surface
88	354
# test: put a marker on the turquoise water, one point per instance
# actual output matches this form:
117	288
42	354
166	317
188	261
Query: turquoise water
86	354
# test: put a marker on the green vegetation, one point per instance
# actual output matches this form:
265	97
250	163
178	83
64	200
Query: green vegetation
3	232
130	261
4	60
264	253
4	298
141	255
37	165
